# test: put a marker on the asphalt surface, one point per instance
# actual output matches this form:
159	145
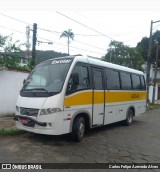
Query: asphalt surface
116	143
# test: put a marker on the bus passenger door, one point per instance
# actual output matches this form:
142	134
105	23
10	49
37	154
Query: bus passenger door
98	97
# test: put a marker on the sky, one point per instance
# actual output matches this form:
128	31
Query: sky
94	22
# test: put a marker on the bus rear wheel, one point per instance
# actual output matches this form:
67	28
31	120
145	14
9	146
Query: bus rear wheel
129	117
78	129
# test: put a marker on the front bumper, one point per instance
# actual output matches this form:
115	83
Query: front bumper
31	121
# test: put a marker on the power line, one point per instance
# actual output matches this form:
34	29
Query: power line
51	41
87	35
56	32
156	27
15	19
85	25
70	46
78	48
132	39
12	29
92	28
44	39
85	19
56	42
91	45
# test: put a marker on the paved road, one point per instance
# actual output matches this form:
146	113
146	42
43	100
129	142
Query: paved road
113	143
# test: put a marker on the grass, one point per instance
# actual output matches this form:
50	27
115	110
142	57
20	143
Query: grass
10	132
154	106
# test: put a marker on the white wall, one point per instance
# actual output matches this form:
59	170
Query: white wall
152	72
10	84
144	66
151	93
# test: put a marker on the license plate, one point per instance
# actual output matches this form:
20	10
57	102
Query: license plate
24	121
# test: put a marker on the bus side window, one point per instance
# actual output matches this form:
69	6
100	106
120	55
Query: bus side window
136	82
79	79
143	85
73	82
125	81
112	79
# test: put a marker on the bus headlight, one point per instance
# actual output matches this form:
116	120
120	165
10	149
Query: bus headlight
49	111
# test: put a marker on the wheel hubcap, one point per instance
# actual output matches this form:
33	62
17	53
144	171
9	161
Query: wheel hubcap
81	129
130	118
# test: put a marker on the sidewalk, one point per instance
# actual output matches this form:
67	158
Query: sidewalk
7	122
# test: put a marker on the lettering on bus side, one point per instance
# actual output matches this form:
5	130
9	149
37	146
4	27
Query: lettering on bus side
60	61
134	96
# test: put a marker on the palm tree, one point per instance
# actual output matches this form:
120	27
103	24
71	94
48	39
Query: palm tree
69	35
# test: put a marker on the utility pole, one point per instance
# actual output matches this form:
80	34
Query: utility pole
149	61
155	75
34	43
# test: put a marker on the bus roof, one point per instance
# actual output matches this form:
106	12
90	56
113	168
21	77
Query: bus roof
99	62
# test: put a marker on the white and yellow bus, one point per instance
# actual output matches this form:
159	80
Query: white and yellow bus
75	93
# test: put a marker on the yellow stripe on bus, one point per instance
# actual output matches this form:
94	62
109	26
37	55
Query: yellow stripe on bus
82	98
124	96
85	98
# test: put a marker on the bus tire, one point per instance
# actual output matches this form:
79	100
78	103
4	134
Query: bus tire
78	129
129	117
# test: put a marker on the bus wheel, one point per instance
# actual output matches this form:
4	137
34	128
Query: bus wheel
78	129
129	117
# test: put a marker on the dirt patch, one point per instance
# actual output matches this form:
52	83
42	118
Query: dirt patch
7	122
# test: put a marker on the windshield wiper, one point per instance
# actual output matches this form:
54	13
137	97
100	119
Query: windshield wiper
39	89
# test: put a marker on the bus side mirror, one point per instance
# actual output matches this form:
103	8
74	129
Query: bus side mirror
24	81
75	78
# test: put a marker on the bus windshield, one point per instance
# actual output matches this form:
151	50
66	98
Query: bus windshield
47	78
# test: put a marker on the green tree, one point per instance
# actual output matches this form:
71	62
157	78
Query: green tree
121	54
69	35
8	48
143	45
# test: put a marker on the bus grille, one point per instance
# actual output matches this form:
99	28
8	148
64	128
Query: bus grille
29	112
